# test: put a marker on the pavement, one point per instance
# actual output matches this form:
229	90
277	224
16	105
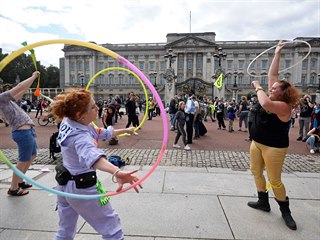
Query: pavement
201	194
175	203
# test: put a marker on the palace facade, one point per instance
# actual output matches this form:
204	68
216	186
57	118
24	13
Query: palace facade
197	60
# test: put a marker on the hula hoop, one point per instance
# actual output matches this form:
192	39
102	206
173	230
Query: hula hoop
301	41
144	90
110	53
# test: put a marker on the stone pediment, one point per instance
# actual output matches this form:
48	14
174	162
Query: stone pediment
190	41
74	48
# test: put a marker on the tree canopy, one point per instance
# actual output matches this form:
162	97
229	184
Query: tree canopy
22	67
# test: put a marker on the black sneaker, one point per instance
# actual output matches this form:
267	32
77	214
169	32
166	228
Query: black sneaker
299	139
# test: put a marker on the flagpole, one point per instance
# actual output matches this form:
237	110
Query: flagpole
190	23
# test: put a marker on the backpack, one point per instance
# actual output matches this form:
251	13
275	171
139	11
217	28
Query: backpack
54	147
117	161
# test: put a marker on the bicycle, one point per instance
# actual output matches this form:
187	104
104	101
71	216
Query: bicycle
44	120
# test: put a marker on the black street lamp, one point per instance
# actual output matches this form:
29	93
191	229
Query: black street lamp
220	55
155	79
318	90
235	79
170	56
81	77
235	86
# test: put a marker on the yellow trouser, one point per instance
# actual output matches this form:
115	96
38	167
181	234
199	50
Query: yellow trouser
272	158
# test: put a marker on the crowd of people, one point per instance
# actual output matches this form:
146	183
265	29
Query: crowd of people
267	116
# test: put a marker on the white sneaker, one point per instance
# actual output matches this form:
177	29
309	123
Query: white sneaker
187	148
312	151
176	146
135	133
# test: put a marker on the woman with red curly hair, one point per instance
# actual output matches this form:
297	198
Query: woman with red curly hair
81	158
270	135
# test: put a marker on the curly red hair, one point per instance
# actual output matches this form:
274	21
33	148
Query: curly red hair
289	93
70	103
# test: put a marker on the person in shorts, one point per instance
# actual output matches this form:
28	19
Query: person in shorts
23	132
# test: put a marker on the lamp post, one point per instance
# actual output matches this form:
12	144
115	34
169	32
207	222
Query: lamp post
81	77
318	91
235	86
170	56
155	79
220	55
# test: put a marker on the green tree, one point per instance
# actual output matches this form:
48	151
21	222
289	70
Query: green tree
22	67
53	74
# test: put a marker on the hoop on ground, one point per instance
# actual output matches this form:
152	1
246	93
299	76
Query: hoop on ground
287	42
121	59
141	82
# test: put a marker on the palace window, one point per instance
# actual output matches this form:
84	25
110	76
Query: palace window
241	64
101	79
199	62
229	64
141	66
131	81
151	66
87	66
121	79
111	79
264	64
287	63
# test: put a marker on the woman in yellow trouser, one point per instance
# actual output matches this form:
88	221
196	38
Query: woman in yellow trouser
270	134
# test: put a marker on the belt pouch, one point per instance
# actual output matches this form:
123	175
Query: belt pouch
86	180
62	174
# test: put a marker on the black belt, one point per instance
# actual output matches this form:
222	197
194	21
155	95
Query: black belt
83	180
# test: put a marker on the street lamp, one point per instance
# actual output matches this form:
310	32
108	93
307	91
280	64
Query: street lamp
155	79
170	56
235	79
318	90
235	86
221	55
81	77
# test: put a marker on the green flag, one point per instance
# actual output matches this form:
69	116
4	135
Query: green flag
218	82
33	56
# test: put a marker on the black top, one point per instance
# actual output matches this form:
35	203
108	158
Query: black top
269	130
180	117
305	109
131	105
172	107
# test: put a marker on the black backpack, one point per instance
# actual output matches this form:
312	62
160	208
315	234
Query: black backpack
54	147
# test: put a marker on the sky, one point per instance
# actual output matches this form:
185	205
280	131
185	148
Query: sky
149	21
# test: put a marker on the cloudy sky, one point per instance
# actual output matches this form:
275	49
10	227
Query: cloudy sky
149	21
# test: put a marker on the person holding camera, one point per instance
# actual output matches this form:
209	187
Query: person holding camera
306	108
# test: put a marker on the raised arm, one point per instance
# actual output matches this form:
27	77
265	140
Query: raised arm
274	67
18	91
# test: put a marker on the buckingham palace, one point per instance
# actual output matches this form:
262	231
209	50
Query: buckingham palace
191	63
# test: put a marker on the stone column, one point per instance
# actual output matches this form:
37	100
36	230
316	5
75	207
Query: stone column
169	90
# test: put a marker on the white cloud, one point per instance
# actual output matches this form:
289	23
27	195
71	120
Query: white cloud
136	21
